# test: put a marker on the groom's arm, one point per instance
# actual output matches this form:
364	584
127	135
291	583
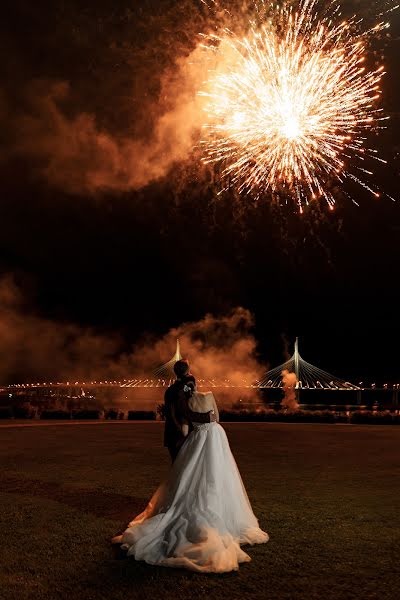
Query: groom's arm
178	413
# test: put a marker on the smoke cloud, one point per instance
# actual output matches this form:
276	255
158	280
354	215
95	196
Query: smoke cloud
289	381
221	348
34	348
72	151
78	156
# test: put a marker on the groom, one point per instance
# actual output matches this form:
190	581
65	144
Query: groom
176	408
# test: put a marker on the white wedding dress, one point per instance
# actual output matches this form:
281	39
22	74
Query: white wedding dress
200	516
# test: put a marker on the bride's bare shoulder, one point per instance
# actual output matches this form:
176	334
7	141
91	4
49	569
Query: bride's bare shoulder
203	396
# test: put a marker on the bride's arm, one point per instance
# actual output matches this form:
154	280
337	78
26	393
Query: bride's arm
216	411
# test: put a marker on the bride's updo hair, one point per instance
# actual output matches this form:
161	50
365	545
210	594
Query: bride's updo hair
191	389
189	385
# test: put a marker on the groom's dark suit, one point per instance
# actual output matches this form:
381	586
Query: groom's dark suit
175	415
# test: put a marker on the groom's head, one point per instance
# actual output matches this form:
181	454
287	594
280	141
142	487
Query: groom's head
181	368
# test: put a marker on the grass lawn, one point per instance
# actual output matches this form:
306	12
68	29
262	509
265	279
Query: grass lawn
328	495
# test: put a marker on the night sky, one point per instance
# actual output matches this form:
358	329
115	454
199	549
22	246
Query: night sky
86	245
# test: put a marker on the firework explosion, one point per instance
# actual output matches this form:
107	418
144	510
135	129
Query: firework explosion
289	105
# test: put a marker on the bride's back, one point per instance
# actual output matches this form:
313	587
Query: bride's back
201	402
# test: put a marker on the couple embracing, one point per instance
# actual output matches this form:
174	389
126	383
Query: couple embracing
201	515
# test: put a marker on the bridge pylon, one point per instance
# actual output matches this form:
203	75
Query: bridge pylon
166	371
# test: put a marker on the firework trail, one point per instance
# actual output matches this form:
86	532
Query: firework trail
289	105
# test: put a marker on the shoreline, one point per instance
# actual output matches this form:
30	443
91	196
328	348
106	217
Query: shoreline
50	422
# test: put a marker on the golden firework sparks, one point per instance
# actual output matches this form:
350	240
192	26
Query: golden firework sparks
288	106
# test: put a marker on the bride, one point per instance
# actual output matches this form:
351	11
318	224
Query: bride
199	517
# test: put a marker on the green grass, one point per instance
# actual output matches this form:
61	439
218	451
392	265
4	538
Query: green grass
328	495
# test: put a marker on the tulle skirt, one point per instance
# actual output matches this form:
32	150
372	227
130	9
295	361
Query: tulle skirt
200	516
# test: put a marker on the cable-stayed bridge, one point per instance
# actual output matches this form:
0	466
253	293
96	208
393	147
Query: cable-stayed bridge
308	377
